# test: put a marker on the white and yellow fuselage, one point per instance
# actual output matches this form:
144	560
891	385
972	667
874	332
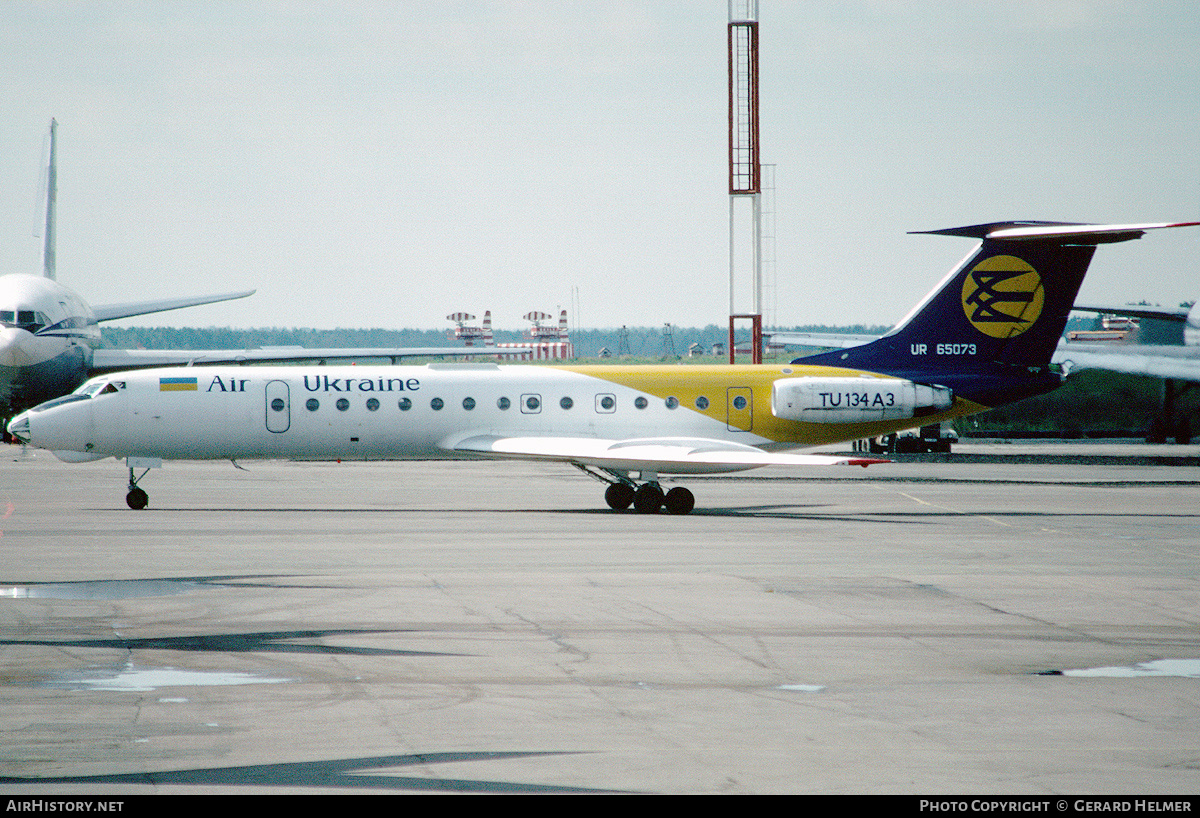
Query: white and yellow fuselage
461	410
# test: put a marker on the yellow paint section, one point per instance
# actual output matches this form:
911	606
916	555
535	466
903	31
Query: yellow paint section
719	385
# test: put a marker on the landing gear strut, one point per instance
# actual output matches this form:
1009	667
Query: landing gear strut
646	497
137	498
1170	423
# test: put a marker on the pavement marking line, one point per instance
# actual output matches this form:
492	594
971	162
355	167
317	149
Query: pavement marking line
954	510
1180	553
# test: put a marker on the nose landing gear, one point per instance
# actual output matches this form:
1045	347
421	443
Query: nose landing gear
137	498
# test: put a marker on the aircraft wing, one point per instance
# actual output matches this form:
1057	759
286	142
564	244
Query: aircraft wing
111	360
128	309
668	455
835	340
1177	363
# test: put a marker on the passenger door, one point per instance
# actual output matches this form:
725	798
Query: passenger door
739	408
279	407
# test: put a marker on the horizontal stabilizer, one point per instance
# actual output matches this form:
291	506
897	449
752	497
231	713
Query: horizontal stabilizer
1064	232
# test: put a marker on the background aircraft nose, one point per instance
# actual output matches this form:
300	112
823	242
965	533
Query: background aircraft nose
13	343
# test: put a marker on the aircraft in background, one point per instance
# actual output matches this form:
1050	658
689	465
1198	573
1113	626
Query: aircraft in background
1176	360
983	337
820	340
49	335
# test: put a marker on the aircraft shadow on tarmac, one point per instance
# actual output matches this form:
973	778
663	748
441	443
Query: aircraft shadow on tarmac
264	642
250	642
151	586
789	511
332	773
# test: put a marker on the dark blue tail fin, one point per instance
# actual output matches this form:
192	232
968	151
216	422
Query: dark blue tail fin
991	326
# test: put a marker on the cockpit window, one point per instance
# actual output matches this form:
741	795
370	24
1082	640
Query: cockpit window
29	320
100	387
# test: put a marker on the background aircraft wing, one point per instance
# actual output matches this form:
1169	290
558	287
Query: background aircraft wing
1136	311
668	455
1177	363
110	360
128	309
835	340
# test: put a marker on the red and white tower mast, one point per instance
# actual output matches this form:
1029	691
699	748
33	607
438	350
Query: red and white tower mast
745	170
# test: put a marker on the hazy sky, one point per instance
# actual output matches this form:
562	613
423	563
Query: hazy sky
382	164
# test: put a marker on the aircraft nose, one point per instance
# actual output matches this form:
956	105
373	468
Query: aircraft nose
19	427
62	424
13	343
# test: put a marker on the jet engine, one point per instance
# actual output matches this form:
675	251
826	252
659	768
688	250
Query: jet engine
856	400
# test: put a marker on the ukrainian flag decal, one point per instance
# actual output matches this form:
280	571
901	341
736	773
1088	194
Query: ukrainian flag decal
176	384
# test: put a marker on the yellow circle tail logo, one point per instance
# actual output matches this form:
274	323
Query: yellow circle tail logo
1003	296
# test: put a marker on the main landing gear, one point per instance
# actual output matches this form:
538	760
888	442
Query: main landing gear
646	498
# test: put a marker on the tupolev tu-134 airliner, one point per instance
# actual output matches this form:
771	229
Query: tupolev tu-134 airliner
983	337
